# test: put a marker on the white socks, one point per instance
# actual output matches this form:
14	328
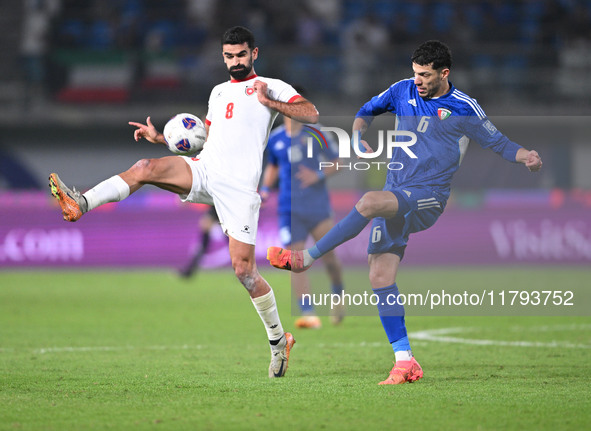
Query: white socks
112	190
403	355
267	309
308	260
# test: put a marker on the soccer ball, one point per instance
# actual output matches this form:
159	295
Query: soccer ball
185	134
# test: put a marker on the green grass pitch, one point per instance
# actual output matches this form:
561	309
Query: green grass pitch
146	350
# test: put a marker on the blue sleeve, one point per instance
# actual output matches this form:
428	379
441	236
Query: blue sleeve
383	102
483	131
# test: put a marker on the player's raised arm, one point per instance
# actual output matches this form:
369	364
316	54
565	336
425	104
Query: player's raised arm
147	131
301	110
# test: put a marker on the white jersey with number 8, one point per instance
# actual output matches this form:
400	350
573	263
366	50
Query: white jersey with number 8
239	127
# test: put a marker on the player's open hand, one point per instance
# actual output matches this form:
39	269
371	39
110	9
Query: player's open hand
147	131
533	161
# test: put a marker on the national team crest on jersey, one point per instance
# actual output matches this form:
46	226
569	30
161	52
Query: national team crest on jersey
443	113
249	91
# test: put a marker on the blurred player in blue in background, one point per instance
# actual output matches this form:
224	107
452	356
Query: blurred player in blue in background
303	203
206	224
443	120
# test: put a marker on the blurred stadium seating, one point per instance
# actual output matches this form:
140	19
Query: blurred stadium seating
101	63
133	51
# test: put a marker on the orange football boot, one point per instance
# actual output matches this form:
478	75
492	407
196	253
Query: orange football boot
404	371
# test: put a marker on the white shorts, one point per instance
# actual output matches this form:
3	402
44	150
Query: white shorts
237	208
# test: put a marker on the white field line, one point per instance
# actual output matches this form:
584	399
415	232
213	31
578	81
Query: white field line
67	349
114	348
441	335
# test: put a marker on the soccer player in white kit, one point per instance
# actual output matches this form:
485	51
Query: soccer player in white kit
225	174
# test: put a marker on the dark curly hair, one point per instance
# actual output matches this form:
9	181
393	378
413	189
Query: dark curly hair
434	52
237	36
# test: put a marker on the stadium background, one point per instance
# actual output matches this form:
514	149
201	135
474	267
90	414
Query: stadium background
131	345
73	73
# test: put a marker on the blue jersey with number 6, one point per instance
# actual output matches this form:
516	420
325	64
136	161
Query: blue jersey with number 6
443	126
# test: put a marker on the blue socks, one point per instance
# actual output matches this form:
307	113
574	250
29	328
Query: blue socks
347	228
306	306
337	289
392	317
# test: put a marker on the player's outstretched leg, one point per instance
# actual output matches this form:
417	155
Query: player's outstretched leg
404	371
300	260
280	358
73	204
290	260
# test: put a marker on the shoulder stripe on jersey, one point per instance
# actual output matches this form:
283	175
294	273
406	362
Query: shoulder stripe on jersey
294	98
462	96
470	99
384	92
207	122
473	104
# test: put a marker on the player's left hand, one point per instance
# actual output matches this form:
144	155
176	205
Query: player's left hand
307	176
262	91
147	131
533	161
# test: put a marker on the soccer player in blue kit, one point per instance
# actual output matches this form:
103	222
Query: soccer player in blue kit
444	120
303	204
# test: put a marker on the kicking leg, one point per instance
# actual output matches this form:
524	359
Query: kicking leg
168	173
372	204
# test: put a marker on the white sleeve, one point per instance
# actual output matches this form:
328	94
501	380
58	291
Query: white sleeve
208	116
281	91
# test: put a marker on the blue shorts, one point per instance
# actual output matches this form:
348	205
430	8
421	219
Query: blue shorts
296	227
421	207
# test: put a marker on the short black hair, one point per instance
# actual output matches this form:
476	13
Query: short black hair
237	36
433	51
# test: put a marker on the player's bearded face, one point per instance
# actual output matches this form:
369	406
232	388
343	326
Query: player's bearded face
239	59
240	71
430	82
